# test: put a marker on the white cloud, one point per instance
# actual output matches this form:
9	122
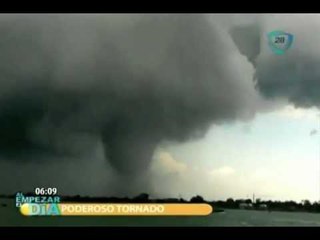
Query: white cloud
166	163
173	178
293	112
223	171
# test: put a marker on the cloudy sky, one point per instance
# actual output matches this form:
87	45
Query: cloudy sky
273	156
173	105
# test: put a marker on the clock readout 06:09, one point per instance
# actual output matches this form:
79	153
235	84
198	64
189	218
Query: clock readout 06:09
45	191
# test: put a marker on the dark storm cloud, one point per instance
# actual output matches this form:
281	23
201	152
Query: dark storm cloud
295	78
128	81
247	39
294	75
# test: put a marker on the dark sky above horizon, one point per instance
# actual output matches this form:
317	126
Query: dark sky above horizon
184	104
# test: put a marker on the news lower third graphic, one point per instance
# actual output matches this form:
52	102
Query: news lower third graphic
280	41
50	205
